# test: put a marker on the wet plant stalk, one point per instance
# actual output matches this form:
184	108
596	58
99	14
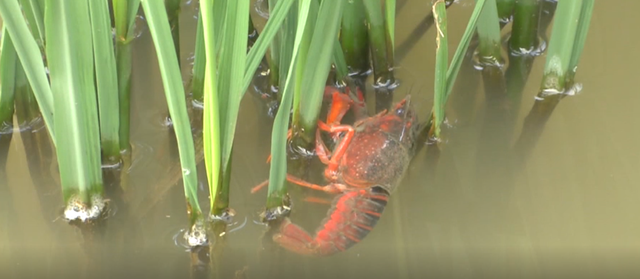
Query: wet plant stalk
71	67
273	59
125	12
317	66
354	37
382	63
106	81
173	13
8	62
522	45
568	36
199	65
505	10
174	92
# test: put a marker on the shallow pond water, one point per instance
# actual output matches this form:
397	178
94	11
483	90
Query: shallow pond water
570	211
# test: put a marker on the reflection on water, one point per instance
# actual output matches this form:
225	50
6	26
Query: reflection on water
570	211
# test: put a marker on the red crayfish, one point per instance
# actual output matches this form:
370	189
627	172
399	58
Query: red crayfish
367	164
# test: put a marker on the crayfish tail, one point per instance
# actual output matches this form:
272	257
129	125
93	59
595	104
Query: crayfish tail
351	218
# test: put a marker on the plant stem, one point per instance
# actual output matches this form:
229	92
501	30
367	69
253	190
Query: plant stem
173	13
382	63
354	37
106	81
199	65
125	12
565	46
8	62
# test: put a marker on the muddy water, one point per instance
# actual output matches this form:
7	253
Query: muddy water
568	212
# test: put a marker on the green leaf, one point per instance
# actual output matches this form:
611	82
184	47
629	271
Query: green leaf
259	49
318	62
8	61
30	58
70	58
174	91
442	60
278	169
211	125
106	78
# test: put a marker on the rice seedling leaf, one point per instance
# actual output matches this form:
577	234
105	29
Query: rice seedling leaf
442	60
211	125
233	55
258	50
199	64
8	60
489	32
561	45
458	56
30	58
174	92
339	61
581	34
317	64
70	60
390	19
278	169
34	13
106	77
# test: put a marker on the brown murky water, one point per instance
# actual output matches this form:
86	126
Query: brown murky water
569	212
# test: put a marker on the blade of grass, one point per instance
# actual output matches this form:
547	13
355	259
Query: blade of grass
276	18
489	34
278	170
106	80
567	40
437	115
390	21
339	61
70	58
378	42
124	12
199	64
354	37
34	13
318	64
30	58
442	60
8	60
305	44
231	70
174	91
211	125
173	13
581	38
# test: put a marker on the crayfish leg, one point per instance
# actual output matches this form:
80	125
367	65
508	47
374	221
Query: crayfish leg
294	238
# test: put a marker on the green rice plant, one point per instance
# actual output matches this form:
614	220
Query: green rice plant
8	61
380	48
124	12
199	64
569	33
30	58
106	80
390	23
522	50
354	37
70	62
278	171
34	13
445	76
230	90
174	91
505	10
173	13
316	68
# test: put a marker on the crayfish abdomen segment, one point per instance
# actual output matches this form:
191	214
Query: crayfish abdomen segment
351	218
